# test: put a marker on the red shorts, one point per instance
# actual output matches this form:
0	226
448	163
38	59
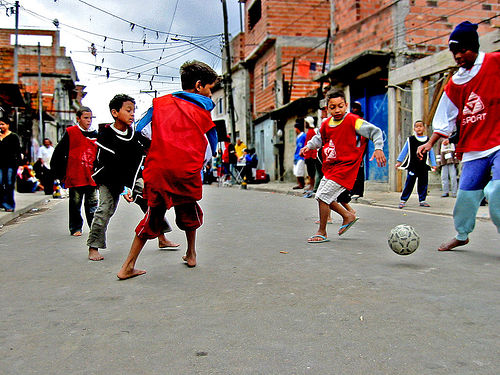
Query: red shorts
188	216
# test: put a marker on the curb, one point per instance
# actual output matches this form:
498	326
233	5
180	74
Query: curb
10	216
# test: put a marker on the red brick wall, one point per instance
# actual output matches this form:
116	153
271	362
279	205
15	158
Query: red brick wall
430	23
264	98
28	65
288	18
368	24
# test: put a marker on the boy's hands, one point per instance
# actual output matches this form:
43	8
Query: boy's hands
302	150
380	157
421	150
127	194
398	164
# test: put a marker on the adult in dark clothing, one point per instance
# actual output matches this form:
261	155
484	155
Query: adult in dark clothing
72	163
10	151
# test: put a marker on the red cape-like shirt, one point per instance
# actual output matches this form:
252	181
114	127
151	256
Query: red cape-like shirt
178	145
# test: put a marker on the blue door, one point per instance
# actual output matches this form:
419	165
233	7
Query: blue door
375	108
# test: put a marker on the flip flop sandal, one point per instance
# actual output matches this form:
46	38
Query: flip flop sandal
345	228
321	239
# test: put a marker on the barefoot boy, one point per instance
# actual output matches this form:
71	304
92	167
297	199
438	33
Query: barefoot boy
181	124
341	159
471	105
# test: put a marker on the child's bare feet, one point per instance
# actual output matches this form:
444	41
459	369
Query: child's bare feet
124	273
167	243
94	254
190	260
450	245
78	233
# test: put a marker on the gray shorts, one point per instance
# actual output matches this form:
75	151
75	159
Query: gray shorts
328	190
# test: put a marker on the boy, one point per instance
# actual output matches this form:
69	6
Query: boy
417	168
299	165
72	163
341	159
471	105
181	124
118	160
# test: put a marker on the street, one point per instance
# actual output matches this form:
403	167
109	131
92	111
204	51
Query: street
260	301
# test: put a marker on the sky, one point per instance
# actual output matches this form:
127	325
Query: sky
156	37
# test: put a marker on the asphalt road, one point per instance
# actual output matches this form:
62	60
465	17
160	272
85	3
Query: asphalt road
260	301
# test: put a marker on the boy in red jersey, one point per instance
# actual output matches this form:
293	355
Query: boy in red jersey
341	159
470	106
182	129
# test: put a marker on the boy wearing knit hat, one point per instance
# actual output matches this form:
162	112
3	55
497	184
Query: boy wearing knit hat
470	105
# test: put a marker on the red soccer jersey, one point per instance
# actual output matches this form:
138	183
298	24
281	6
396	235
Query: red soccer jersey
82	153
177	151
341	154
478	103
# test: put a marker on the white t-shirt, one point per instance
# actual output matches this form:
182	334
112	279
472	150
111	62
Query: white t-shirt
45	153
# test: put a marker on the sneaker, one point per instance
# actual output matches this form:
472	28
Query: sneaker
453	195
402	204
424	204
309	194
298	187
444	195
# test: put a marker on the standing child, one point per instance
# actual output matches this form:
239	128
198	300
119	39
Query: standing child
448	169
119	157
417	168
72	163
341	159
181	124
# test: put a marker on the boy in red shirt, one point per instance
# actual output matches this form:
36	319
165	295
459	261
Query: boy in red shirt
341	159
181	131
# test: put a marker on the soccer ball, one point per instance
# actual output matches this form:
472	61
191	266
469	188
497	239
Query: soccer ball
403	239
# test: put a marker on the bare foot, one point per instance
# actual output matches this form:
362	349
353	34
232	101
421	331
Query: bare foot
450	245
167	243
329	221
124	274
78	233
94	254
191	261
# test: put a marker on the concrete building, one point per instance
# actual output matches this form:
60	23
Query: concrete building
50	66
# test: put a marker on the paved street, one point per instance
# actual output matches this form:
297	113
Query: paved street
260	301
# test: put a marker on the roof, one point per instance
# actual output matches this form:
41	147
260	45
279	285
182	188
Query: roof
351	68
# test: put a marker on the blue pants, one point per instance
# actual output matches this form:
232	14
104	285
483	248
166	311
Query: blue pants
423	182
7	183
480	178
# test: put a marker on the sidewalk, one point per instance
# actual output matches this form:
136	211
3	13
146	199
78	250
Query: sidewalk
375	197
24	203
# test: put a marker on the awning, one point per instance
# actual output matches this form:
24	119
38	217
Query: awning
357	67
11	95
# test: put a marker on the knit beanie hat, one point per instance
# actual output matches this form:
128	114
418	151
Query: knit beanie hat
464	36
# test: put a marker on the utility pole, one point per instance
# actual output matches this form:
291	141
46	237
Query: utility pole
227	77
41	125
149	92
16	58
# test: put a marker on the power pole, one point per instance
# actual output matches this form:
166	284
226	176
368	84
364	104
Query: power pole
41	125
227	77
16	58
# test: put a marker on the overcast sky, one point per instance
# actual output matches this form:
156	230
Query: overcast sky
196	23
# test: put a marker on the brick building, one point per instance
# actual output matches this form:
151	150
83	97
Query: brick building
373	38
60	95
273	65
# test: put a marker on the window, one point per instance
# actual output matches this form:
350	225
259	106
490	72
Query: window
220	106
265	77
254	14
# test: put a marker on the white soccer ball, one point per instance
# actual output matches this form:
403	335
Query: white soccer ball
403	239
